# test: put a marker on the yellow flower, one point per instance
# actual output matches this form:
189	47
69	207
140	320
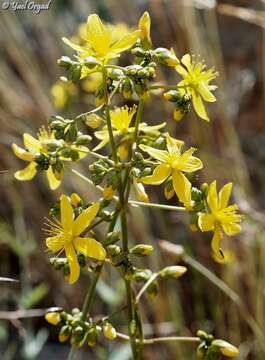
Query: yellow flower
121	119
34	146
196	83
66	236
100	42
53	318
173	163
221	218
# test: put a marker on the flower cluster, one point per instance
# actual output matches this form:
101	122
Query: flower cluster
138	154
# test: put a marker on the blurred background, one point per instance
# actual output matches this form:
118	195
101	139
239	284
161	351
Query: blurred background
227	34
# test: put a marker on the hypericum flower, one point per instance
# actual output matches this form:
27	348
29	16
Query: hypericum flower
34	146
196	83
173	163
221	217
100	43
121	119
66	236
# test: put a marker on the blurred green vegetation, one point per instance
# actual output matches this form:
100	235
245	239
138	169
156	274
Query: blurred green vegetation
229	35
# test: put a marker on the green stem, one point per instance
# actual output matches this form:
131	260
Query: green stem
138	118
158	206
122	186
163	339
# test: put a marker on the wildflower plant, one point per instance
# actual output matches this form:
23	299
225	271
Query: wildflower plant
138	154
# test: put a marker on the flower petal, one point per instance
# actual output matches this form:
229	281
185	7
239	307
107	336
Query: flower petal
160	155
22	153
90	247
125	42
217	236
85	218
67	215
33	145
182	188
55	243
206	222
27	173
76	47
224	195
199	106
173	145
73	263
53	182
212	198
189	163
186	60
98	35
231	228
160	174
205	92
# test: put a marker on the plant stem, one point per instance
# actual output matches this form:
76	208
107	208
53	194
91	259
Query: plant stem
123	204
145	287
163	339
138	119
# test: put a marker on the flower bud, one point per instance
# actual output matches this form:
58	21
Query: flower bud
53	318
83	140
138	51
201	350
93	121
178	114
115	74
141	250
113	250
123	151
127	88
173	271
90	62
204	189
166	57
142	275
172	95
112	238
65	62
147	171
92	336
65	333
225	348
109	331
75	200
144	25
74	73
140	191
108	192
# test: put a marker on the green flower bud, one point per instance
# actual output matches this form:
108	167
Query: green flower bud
113	250
83	140
172	272
225	348
112	238
115	74
142	275
65	333
65	62
92	336
74	155
137	51
127	88
71	134
147	171
90	62
202	350
166	57
196	194
74	73
141	250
